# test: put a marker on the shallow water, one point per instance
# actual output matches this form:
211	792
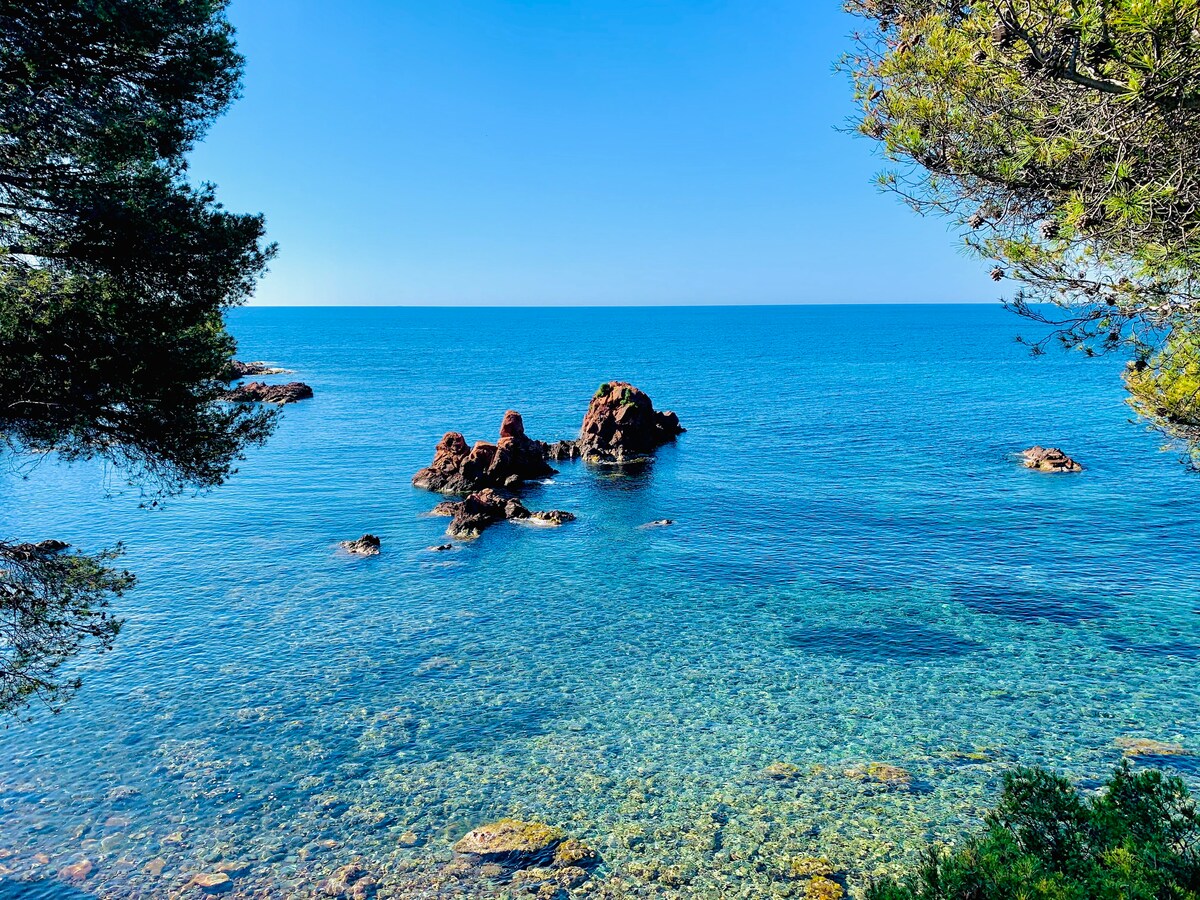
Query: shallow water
860	571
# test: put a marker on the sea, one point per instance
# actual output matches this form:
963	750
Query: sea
859	571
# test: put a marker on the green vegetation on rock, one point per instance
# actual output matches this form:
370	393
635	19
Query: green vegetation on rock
1137	839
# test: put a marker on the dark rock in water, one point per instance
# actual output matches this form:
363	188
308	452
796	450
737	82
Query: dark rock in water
561	451
622	425
259	392
31	551
482	509
441	548
1050	459
514	458
238	369
659	523
367	545
898	642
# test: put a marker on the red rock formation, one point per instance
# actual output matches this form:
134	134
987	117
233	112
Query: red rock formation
259	392
622	425
1050	459
512	459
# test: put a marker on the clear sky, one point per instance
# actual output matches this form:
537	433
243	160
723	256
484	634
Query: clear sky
575	152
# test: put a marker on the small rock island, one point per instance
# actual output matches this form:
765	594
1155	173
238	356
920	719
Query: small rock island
1050	459
621	426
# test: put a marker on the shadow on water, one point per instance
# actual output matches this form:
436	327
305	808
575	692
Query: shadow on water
1170	649
1025	605
893	642
42	889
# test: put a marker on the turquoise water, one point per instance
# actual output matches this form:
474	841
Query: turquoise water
860	571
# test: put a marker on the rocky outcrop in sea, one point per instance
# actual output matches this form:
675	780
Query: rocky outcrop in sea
621	426
1050	459
260	392
513	459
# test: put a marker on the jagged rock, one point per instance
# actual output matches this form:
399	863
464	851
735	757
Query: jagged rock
260	392
238	369
30	551
553	517
561	451
622	425
514	458
367	545
1050	459
482	509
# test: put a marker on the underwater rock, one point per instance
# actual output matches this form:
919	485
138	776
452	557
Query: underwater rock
367	545
79	871
622	425
213	882
1133	747
260	392
781	771
822	888
350	882
809	867
482	509
658	523
514	458
155	866
1050	459
511	842
881	773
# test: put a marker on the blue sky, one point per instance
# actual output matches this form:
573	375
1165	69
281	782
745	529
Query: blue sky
483	152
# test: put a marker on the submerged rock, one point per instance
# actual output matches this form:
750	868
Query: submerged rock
482	509
622	425
77	872
513	843
881	773
781	771
822	888
213	882
658	523
1133	747
514	458
260	392
350	882
367	545
441	548
1050	459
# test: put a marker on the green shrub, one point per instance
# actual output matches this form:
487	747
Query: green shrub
1139	839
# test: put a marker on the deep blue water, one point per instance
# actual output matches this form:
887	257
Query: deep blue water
860	571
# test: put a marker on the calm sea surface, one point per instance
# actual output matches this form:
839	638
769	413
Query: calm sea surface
860	571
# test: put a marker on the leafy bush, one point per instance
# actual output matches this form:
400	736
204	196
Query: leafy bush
1139	839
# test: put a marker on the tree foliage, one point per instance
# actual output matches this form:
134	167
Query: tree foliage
51	604
1138	839
115	269
1063	136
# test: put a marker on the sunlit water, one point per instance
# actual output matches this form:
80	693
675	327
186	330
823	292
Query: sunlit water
860	571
